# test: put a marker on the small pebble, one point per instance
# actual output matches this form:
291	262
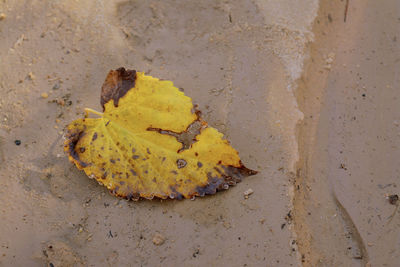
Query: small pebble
17	142
44	95
158	239
247	193
2	16
227	225
56	86
31	76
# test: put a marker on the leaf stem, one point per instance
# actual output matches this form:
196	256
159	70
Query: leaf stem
89	110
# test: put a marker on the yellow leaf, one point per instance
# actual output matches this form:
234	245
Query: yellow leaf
151	142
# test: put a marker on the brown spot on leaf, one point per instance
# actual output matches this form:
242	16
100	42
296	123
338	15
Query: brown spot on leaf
229	176
132	196
94	136
175	194
181	163
116	85
187	137
72	140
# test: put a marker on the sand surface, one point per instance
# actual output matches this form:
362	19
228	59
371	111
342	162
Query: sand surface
349	138
307	99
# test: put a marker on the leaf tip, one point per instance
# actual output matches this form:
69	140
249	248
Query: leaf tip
118	82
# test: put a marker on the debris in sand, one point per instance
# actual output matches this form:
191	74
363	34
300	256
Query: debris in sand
31	76
393	199
158	239
329	60
44	95
58	253
226	224
196	253
56	85
2	16
247	193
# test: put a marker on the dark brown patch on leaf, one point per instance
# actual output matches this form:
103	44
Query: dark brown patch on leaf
229	176
175	194
181	163
115	190
214	183
73	139
94	136
132	196
116	85
240	172
187	137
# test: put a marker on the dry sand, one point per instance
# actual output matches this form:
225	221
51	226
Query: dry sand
320	195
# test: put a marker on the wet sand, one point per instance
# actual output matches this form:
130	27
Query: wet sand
348	141
286	103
